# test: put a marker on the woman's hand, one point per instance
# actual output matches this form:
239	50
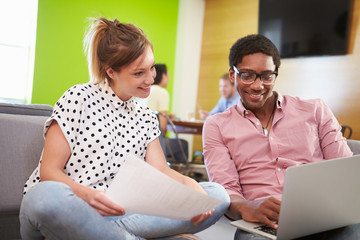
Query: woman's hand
102	204
201	217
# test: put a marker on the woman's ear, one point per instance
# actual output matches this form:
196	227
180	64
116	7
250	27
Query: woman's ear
110	72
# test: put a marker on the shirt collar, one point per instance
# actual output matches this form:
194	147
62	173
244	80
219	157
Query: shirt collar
105	88
280	100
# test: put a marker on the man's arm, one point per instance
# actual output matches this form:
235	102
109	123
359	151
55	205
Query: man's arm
333	144
220	166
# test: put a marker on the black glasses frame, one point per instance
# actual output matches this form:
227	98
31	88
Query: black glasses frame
257	75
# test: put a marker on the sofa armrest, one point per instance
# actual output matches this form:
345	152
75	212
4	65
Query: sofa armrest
354	146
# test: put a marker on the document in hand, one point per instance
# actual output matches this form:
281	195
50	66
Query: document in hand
140	188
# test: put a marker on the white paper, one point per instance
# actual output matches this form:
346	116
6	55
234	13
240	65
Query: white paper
140	188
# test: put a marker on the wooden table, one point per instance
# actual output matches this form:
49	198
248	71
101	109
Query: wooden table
189	127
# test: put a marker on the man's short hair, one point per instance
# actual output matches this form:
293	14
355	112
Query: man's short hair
250	44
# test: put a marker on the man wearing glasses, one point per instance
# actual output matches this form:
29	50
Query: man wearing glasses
248	147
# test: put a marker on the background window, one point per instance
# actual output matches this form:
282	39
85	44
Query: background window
17	49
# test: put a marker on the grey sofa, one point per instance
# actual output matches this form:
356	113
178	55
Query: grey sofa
354	146
21	143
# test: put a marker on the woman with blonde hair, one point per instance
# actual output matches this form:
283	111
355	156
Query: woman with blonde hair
94	126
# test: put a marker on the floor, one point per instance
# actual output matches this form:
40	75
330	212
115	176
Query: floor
222	230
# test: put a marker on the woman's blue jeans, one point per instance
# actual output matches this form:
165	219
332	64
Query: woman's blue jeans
51	209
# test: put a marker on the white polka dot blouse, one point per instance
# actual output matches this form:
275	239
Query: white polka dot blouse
101	130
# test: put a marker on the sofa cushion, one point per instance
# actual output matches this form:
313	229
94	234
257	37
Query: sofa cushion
26	109
354	146
21	146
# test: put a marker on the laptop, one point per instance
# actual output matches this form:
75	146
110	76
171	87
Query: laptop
316	197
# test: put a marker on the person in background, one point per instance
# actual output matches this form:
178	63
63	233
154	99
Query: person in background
92	130
176	150
249	146
159	98
229	97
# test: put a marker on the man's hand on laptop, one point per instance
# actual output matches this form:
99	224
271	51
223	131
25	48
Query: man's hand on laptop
264	210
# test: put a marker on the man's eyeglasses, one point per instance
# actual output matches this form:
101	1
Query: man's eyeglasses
250	77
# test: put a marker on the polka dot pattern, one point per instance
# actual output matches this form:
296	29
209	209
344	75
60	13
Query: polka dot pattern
101	130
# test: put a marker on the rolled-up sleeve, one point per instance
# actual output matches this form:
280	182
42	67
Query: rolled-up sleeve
332	142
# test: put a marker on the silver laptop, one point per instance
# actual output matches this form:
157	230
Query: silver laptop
316	197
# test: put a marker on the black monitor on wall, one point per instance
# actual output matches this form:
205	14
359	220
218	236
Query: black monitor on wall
301	28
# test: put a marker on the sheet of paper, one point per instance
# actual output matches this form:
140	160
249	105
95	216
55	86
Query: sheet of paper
140	188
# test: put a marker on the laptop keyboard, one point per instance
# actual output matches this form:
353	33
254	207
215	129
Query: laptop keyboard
266	229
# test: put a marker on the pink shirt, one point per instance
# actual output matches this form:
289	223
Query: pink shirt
247	163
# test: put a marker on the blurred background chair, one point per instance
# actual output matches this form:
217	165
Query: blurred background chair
175	149
346	131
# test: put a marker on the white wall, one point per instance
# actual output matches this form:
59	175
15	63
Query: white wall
187	59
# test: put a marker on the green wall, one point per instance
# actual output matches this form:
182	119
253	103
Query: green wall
59	59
